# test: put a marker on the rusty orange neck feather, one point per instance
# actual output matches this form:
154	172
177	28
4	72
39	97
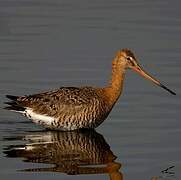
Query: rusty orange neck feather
114	89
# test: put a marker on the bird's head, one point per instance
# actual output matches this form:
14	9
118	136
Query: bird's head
127	59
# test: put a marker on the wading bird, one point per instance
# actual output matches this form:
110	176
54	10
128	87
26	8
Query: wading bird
70	108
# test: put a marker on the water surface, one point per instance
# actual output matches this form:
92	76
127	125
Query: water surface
48	44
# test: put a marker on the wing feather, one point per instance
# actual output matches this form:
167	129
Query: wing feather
63	100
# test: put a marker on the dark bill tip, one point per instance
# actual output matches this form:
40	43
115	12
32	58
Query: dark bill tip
164	87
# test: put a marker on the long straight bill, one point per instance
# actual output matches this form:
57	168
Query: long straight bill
140	71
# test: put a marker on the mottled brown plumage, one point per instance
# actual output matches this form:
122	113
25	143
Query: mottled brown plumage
70	108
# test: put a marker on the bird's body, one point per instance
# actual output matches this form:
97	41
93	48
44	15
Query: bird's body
67	108
70	108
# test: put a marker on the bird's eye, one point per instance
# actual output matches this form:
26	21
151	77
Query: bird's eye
128	58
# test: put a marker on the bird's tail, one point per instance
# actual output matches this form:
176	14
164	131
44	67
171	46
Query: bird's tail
13	105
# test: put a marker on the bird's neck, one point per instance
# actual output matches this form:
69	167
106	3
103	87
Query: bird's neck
115	87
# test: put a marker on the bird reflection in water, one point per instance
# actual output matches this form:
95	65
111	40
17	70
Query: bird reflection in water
74	152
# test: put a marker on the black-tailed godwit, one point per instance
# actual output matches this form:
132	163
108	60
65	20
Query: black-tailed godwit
71	108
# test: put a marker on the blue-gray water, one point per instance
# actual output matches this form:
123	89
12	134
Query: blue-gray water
48	44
